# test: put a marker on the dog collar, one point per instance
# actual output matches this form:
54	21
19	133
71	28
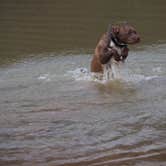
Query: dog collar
117	43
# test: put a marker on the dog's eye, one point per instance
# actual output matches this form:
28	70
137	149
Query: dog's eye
134	32
130	32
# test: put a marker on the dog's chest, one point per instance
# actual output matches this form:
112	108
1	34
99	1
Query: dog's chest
111	68
112	45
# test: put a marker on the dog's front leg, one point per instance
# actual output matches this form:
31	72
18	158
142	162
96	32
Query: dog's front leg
107	54
124	53
108	72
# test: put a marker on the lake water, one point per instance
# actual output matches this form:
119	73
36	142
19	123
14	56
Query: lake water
52	112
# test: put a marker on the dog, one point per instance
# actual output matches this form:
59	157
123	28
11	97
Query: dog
112	48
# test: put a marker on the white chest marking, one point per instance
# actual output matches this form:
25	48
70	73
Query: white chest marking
111	69
112	44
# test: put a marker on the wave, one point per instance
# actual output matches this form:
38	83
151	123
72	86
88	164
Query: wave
121	73
82	74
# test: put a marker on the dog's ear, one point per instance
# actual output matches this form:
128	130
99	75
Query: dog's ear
109	29
115	29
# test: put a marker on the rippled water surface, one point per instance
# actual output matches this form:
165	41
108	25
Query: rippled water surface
53	112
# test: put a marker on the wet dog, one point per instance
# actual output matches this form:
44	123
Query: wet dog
112	48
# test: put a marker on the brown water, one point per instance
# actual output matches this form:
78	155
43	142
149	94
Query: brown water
52	113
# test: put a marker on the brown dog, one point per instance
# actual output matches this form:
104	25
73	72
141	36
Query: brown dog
112	47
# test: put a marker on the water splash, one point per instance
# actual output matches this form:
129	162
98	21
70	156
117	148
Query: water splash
80	74
45	77
121	74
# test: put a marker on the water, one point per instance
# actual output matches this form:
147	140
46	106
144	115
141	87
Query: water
53	111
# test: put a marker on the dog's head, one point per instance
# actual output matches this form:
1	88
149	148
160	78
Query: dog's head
125	33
